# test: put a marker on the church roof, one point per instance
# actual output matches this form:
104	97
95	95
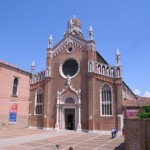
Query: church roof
101	58
141	101
128	88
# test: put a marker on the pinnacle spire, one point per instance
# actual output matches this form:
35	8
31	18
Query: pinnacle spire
117	57
33	64
90	29
50	41
91	33
33	67
117	52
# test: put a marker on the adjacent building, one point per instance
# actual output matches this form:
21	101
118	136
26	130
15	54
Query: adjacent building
14	96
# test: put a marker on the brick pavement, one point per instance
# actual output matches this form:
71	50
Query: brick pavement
31	139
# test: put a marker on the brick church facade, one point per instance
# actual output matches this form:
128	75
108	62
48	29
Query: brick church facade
78	90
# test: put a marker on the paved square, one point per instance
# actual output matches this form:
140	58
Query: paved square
34	139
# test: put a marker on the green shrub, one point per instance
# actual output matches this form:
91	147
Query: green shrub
145	113
146	108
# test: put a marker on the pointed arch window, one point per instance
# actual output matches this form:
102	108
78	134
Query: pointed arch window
15	86
90	67
118	72
107	71
103	70
106	100
99	68
39	102
112	72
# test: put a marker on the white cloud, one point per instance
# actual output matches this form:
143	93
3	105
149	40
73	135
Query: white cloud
146	94
137	92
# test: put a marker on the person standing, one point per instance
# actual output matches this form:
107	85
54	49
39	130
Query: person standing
123	131
56	146
112	133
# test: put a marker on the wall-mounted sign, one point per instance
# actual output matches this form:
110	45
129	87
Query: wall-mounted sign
13	112
131	113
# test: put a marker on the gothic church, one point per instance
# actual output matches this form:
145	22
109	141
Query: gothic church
78	90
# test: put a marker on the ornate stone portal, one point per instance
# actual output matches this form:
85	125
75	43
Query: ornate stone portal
68	112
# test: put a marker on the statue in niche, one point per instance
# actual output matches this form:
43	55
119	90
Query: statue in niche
58	94
79	92
68	80
47	72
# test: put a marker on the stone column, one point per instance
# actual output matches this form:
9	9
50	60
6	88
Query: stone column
79	119
57	119
79	111
57	112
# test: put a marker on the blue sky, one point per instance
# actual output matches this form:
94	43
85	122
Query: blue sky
25	26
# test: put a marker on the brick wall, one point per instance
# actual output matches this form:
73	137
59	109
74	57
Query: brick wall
137	134
7	74
22	122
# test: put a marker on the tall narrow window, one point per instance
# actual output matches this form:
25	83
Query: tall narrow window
39	102
90	67
15	87
99	68
106	101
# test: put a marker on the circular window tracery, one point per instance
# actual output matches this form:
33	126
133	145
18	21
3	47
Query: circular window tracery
69	67
70	49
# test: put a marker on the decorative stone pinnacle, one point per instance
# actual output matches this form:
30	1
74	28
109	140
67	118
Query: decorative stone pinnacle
71	22
32	67
90	29
117	52
33	64
50	42
117	57
91	33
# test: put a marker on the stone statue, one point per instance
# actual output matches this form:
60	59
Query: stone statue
58	94
79	92
68	80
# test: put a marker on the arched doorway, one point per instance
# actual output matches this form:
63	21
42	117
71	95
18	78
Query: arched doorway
68	109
